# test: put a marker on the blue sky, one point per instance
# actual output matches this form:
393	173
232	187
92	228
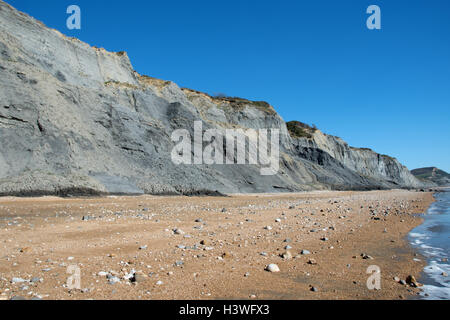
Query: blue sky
314	61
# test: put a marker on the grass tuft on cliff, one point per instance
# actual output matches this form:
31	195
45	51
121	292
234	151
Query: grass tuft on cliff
299	129
240	103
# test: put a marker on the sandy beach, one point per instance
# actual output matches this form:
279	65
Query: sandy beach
211	247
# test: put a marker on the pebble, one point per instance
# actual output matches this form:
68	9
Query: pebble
287	255
138	277
179	263
305	252
411	280
226	255
18	280
312	262
178	231
366	256
113	280
129	276
272	268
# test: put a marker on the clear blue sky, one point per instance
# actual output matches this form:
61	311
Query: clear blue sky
315	61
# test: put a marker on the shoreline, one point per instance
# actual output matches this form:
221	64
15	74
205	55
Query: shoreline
336	227
430	239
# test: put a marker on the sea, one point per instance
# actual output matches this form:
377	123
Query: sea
432	240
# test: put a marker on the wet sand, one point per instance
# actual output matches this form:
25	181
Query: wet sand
222	250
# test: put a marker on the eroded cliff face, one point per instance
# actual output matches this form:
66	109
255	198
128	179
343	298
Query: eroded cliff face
79	120
363	161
